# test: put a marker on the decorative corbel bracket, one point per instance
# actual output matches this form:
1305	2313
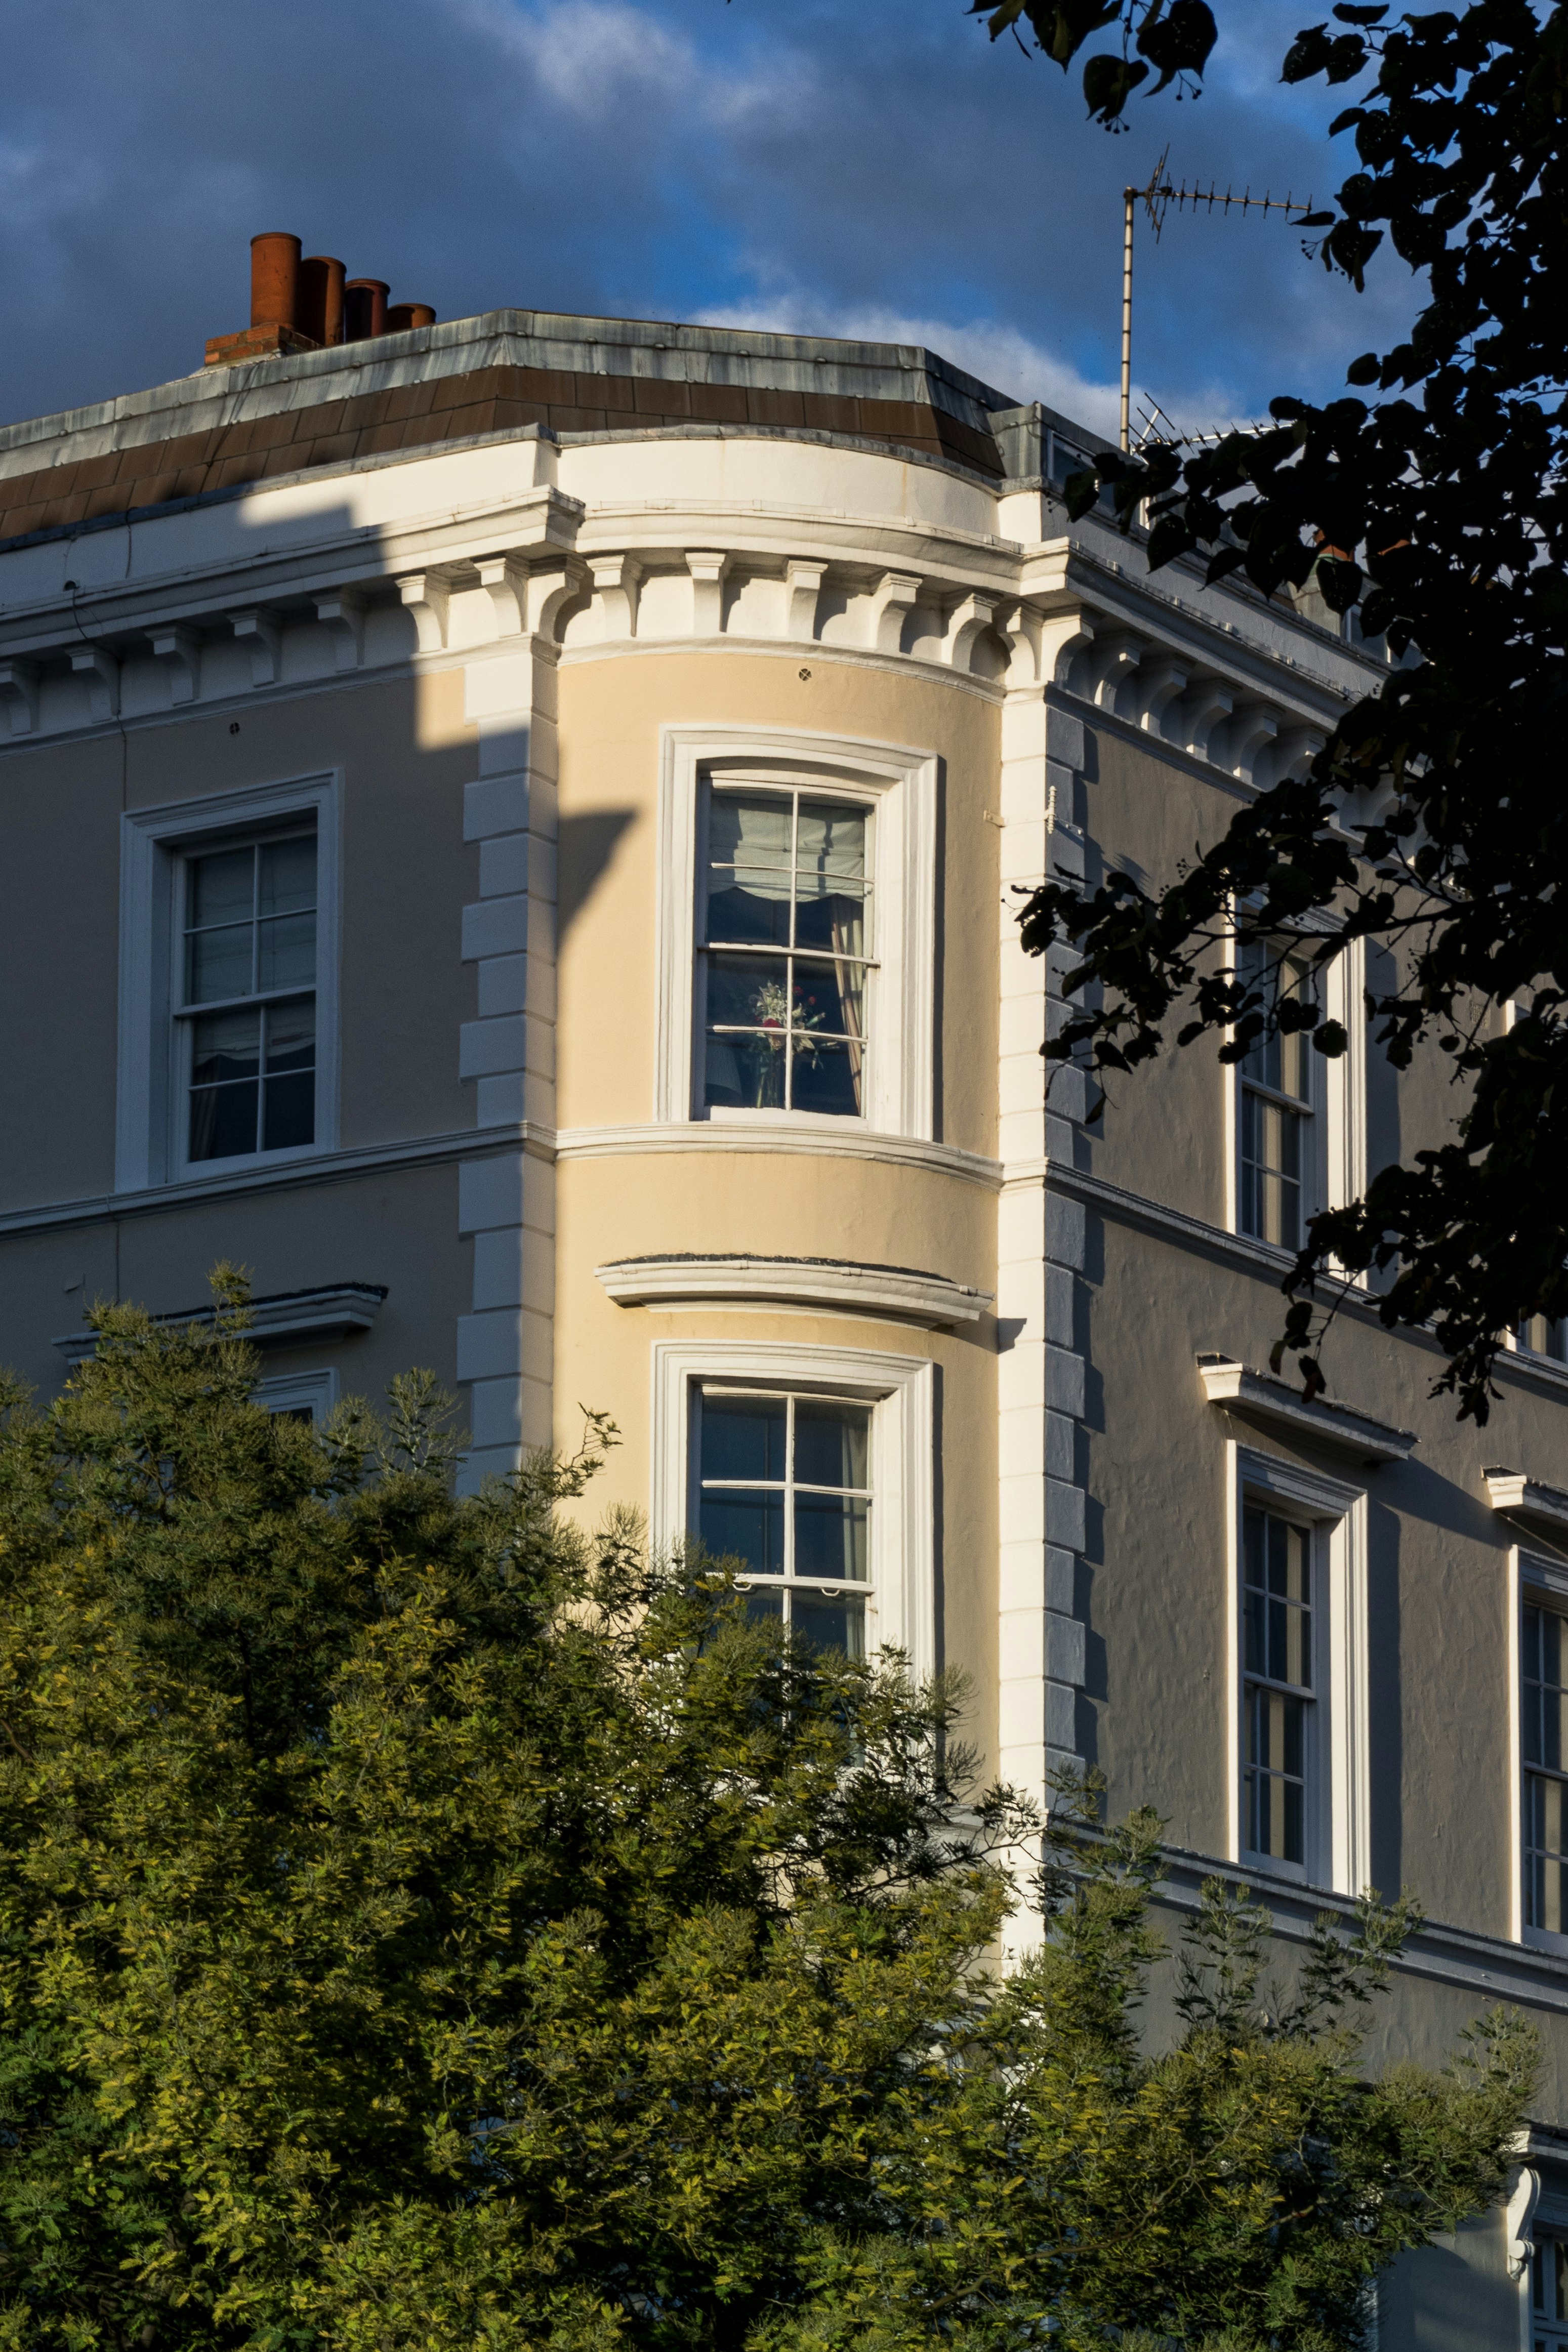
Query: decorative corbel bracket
101	671
616	580
1116	659
1252	729
1203	709
1520	2219
1297	747
547	589
896	596
706	571
19	693
341	613
966	624
503	579
261	633
1162	684
1019	625
178	649
426	596
802	587
1063	637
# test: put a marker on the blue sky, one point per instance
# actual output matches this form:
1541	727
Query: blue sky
860	167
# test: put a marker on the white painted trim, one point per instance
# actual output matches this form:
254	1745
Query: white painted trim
285	1319
934	1300
1340	1843
781	1131
287	1391
145	1149
1545	1509
1257	1397
1344	1088
903	1488
319	1168
902	783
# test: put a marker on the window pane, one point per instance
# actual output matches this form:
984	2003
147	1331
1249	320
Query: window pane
286	951
829	1625
289	1116
826	1078
749	886
735	1524
1270	1188
217	963
830	846
829	998
742	1073
830	1533
744	1437
225	1054
746	905
1274	1787
833	919
1544	1693
223	1120
765	1605
287	877
221	888
1545	1856
226	1045
832	1443
748	992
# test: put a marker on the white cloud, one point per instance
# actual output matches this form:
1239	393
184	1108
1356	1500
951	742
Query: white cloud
596	59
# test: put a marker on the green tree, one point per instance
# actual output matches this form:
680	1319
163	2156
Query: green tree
1435	821
423	1924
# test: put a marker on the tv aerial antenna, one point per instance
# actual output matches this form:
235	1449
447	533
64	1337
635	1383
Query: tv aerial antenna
1157	199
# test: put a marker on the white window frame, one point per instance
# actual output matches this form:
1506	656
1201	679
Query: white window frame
899	784
150	1132
1338	1110
1534	1580
1339	1808
901	1390
316	1392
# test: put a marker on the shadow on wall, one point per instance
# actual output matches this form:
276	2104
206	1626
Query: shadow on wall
587	847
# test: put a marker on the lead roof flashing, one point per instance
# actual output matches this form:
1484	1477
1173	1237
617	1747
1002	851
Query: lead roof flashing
556	341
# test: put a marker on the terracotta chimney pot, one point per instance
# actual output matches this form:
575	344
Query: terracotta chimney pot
274	278
401	316
364	308
320	310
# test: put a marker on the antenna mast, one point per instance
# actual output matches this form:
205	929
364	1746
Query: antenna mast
1156	199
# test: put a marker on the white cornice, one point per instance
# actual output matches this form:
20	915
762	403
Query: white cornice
932	1300
829	1139
1273	1405
284	1319
1542	1509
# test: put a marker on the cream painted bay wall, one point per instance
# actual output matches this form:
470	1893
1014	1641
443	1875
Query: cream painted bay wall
612	711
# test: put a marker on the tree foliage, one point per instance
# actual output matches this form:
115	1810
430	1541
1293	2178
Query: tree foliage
421	1924
1431	501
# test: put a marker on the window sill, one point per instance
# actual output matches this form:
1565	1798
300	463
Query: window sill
932	1300
1277	1407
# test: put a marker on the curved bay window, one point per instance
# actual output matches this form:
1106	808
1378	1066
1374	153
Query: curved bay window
785	964
785	1488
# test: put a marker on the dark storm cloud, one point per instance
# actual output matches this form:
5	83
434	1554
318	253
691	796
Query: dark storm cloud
879	168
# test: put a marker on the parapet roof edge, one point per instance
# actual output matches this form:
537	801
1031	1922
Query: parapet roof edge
653	348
